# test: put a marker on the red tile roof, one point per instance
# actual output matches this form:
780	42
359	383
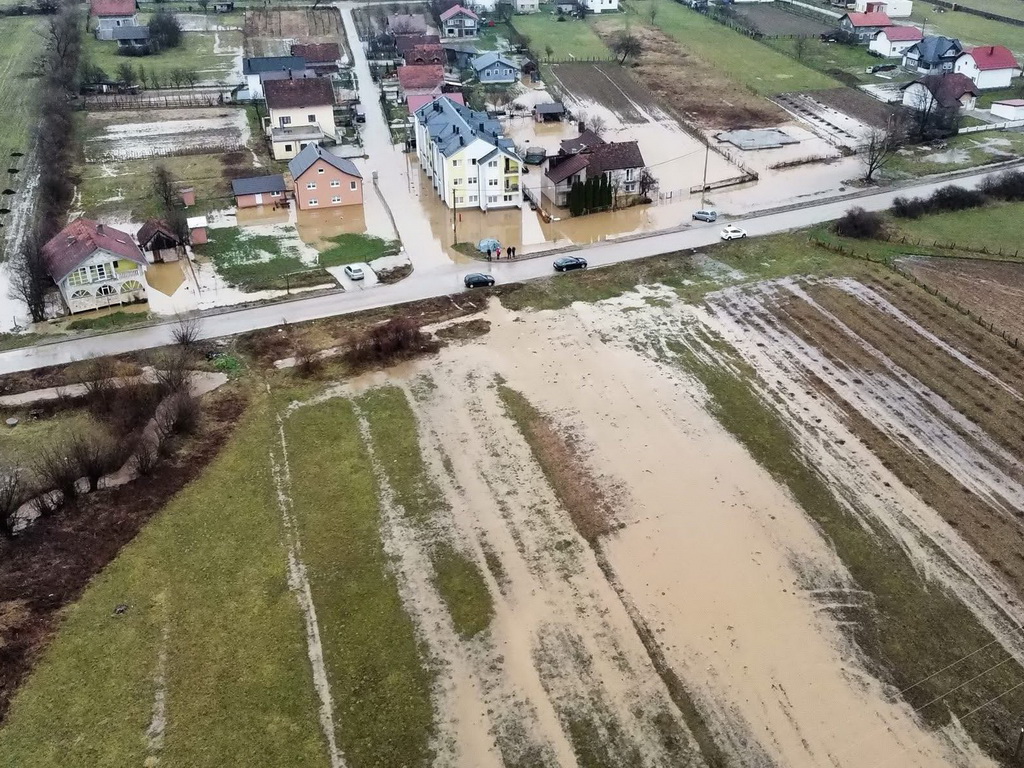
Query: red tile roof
873	19
303	92
420	76
428	53
418	100
112	7
405	43
455	10
79	240
317	53
993	57
902	34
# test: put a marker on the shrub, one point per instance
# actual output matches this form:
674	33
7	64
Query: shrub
93	455
307	361
57	470
1008	185
909	207
144	456
954	198
173	372
186	331
12	496
859	223
178	415
397	339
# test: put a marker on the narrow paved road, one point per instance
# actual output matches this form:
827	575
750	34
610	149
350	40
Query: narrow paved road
441	281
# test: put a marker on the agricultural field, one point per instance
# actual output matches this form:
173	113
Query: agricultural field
765	459
995	226
271	31
21	44
771	19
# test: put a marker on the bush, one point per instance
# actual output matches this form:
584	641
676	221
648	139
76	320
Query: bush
909	207
1008	185
859	223
56	469
307	360
397	339
954	198
94	455
12	496
179	415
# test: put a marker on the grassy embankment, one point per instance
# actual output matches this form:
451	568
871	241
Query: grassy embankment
205	584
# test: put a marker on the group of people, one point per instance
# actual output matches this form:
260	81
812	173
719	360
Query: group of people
510	252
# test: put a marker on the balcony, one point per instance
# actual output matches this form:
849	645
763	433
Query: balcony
511	187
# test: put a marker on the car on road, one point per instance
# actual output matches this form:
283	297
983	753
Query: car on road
568	263
705	214
732	232
354	273
478	280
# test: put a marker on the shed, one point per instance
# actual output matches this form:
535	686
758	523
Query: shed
1008	109
188	196
197	229
549	113
258	190
157	239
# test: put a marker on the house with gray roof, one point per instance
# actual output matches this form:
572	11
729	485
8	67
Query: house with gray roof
467	157
934	55
494	68
589	156
259	190
135	38
254	68
324	180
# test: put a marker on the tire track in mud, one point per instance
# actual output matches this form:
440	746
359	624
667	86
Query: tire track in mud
567	643
298	582
647	329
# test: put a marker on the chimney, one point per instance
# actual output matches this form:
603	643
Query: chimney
582	126
462	141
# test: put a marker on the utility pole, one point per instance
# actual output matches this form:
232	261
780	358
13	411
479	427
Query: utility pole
704	183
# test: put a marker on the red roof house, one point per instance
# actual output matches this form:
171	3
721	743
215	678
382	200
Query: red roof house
903	34
988	66
459	22
863	26
420	79
112	7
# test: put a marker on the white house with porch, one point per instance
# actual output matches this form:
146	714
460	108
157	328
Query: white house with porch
95	266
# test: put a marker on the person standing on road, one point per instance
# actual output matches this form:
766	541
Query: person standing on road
488	254
498	251
511	251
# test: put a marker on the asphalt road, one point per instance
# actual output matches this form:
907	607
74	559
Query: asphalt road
444	280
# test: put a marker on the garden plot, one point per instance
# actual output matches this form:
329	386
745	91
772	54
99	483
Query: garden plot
272	31
773	19
834	125
199	131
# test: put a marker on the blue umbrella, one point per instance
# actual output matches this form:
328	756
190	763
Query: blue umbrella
488	244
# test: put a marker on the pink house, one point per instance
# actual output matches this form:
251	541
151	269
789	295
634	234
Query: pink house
323	180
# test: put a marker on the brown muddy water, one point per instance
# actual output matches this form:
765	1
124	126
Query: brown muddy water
744	595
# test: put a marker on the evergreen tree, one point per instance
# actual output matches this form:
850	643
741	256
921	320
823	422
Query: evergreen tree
576	199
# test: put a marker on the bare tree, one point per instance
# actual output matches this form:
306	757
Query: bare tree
94	455
186	331
57	470
30	280
597	124
881	147
800	46
190	77
12	496
627	44
647	184
203	5
164	187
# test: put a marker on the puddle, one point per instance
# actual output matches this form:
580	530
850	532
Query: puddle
166	277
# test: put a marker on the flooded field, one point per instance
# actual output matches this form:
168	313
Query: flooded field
125	136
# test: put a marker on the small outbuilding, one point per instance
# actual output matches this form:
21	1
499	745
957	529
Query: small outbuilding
552	112
197	229
1008	109
158	241
259	190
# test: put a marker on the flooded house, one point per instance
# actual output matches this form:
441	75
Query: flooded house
95	266
259	190
158	239
589	157
324	180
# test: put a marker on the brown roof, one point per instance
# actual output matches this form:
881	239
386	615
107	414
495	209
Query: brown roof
428	53
304	92
150	229
615	156
405	43
317	53
112	7
560	170
586	139
65	251
421	76
947	89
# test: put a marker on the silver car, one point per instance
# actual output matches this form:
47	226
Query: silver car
706	214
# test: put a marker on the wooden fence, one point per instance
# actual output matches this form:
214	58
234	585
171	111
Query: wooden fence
126	102
1009	337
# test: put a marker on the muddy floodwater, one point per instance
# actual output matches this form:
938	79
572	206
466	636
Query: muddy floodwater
743	595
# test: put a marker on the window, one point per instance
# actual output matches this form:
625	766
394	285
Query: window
457	182
314	201
335	200
492	182
311	185
472	198
319	170
509	198
311	118
353	185
473	161
492	198
275	194
492	164
285	120
287	147
630	174
79	277
335	184
471	181
458	199
631	187
457	163
98	272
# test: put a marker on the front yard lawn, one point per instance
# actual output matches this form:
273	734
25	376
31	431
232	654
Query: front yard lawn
210	54
253	262
995	226
357	249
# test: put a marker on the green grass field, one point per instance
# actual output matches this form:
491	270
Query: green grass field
1013	9
763	70
568	39
821	56
995	227
353	248
963	151
21	43
972	30
205	584
197	52
253	262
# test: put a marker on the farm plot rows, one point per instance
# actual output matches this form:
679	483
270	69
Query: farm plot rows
272	31
769	19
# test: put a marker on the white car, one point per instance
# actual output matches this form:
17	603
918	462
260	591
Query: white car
733	232
354	273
